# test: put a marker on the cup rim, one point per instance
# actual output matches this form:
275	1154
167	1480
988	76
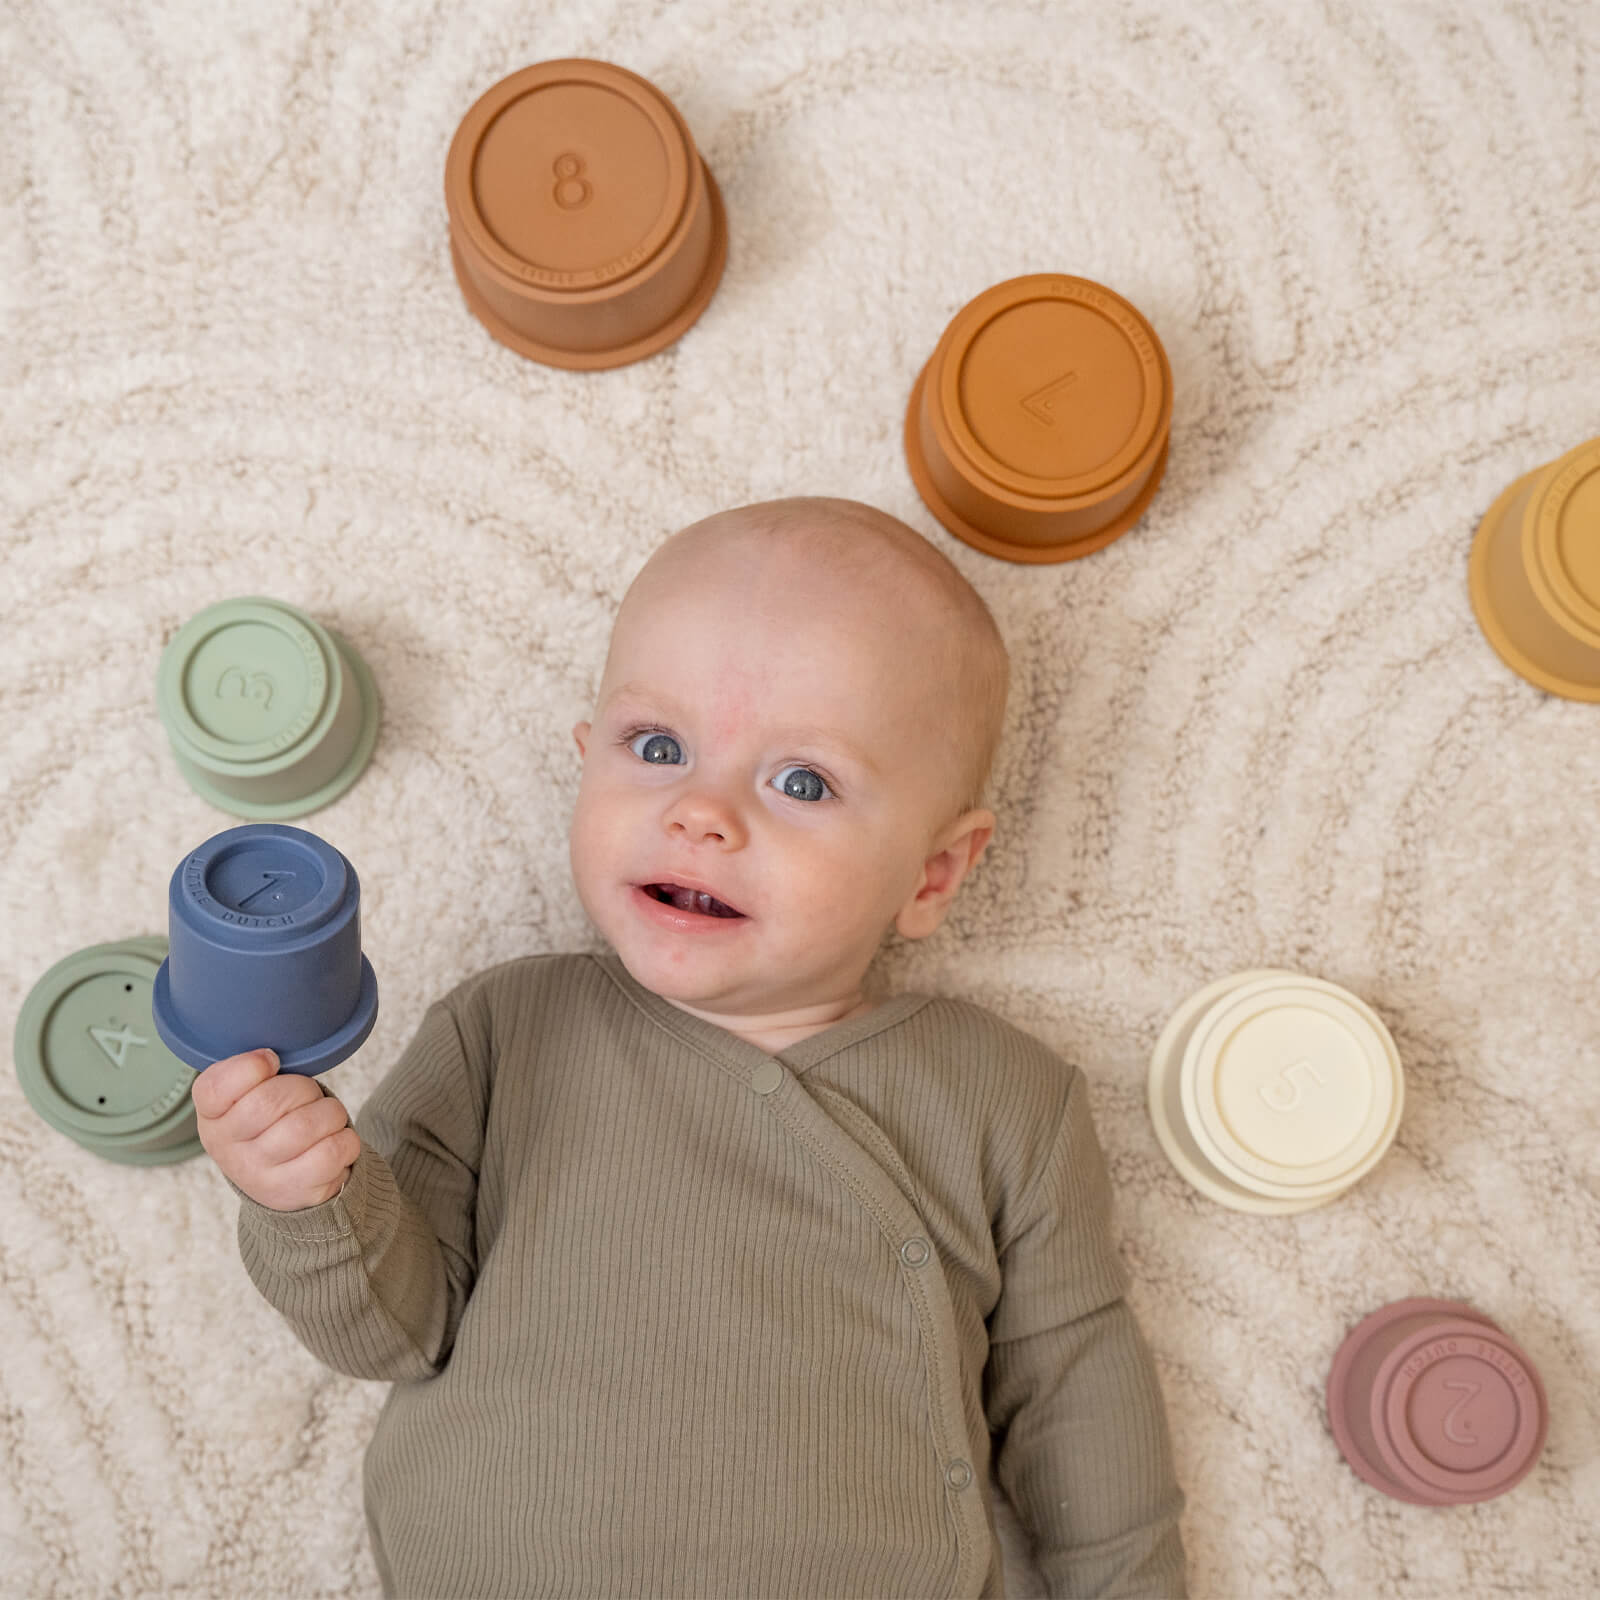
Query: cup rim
992	544
1336	1390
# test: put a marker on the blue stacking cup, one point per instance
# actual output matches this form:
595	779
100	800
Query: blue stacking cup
264	949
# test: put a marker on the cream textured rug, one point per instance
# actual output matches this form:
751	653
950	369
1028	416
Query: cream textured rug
1261	729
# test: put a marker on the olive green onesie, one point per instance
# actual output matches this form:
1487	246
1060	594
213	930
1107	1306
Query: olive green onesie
668	1315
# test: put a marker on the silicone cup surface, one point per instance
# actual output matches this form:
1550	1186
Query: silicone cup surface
1431	1403
270	714
1534	575
1164	1092
91	1063
1272	1093
1292	1086
264	927
585	229
1038	429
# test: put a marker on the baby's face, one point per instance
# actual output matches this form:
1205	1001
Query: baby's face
772	746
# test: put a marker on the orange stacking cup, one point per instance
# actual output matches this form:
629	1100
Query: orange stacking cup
1534	575
1038	429
585	229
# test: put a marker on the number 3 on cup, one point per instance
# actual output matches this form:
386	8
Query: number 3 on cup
1282	1093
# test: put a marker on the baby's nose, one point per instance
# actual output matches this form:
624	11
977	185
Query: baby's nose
704	815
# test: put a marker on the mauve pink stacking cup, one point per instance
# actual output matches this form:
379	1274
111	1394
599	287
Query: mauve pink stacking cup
1430	1402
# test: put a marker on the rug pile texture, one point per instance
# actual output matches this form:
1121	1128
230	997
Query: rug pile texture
1261	729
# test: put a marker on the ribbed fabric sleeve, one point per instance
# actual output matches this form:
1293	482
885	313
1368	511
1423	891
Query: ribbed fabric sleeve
667	1315
1083	1450
374	1281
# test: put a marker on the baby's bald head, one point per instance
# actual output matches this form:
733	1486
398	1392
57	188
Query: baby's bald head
865	565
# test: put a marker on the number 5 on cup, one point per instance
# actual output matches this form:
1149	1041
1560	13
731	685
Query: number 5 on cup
1282	1093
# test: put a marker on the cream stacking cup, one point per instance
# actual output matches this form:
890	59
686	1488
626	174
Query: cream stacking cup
1272	1092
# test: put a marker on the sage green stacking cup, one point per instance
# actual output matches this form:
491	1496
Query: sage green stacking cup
92	1064
271	715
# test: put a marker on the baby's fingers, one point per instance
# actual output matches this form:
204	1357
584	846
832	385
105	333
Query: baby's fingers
225	1082
318	1174
297	1130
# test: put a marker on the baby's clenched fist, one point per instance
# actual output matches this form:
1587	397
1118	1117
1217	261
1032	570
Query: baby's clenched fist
276	1135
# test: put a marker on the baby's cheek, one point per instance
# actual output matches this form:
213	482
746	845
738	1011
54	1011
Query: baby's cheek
603	836
850	890
584	843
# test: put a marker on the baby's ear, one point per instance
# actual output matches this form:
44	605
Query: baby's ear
580	734
955	854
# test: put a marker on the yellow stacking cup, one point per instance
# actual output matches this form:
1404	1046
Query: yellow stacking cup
1534	575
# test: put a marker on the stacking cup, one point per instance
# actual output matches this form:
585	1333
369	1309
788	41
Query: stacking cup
1038	429
1271	1092
1430	1402
1534	575
270	714
91	1063
585	229
264	925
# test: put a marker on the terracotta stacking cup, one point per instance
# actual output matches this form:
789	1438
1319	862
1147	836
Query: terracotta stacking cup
92	1064
1534	575
585	229
270	714
1038	429
264	928
1272	1093
1430	1402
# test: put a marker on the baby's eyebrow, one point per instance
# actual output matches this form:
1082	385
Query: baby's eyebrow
636	698
829	740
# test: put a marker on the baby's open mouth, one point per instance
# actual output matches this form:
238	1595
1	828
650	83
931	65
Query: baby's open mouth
672	894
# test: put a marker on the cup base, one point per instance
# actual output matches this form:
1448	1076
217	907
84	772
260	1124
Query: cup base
309	1061
1494	631
281	810
167	1156
1339	1381
988	543
621	355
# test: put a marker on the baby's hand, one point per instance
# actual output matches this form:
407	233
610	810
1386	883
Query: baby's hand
277	1136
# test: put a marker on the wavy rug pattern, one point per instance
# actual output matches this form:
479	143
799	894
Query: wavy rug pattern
1261	729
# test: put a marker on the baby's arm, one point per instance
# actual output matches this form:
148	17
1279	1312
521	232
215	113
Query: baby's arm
1070	1387
374	1279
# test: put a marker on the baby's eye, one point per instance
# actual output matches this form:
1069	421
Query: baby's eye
801	783
659	749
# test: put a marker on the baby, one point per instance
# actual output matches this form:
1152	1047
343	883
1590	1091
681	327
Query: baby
697	1268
